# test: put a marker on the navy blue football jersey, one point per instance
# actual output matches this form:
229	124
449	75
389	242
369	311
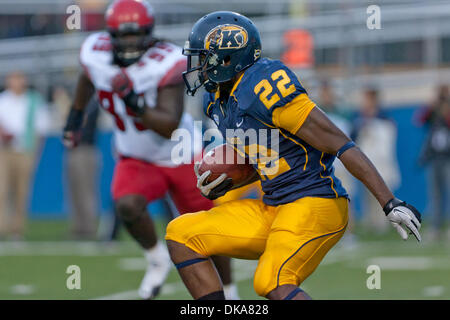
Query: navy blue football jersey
264	110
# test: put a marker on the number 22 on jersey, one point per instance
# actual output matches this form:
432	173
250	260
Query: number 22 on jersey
283	83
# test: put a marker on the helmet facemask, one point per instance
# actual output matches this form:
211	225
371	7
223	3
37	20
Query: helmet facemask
199	63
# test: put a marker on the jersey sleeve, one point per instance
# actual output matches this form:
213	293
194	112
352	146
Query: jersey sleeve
173	63
292	115
274	95
174	75
86	55
95	53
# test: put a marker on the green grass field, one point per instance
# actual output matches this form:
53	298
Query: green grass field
36	269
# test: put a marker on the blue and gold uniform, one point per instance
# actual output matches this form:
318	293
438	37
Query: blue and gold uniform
304	208
269	99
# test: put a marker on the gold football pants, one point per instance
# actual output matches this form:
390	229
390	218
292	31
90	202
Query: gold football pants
290	240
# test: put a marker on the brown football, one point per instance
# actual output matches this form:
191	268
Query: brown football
224	159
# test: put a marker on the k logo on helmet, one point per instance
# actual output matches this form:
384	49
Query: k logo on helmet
227	36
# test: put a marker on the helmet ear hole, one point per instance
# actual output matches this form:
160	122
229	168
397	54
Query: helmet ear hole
226	60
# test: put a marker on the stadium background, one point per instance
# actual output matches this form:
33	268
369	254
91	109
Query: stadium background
406	59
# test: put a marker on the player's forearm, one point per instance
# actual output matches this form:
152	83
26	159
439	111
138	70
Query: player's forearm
166	116
160	122
253	178
357	163
322	134
83	93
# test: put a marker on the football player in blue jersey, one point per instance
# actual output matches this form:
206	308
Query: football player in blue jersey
304	210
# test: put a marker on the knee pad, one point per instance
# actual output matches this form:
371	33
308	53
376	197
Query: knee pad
271	273
264	281
131	208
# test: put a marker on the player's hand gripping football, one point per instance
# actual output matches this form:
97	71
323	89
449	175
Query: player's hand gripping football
215	188
123	86
402	215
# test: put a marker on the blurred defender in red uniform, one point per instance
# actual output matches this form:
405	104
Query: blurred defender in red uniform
138	80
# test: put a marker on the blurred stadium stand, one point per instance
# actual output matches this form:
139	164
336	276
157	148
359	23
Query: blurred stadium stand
406	60
414	53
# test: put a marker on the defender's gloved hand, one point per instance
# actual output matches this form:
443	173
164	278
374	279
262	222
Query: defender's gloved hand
123	86
72	131
401	215
214	189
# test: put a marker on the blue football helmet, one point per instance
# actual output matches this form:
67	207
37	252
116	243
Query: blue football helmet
221	45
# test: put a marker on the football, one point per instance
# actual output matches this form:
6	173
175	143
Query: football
224	159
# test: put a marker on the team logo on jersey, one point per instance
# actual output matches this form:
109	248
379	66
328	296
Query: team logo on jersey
227	36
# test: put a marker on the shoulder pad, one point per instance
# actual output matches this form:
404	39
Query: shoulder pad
266	85
95	49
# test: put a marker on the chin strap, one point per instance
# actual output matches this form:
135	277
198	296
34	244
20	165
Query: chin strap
211	86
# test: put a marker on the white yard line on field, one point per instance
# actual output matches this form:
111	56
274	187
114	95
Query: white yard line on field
402	263
22	289
410	263
433	291
167	289
125	295
64	248
133	264
93	248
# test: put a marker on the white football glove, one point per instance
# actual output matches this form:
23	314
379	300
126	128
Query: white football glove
401	215
214	189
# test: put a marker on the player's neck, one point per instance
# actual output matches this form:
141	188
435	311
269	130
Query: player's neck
226	87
